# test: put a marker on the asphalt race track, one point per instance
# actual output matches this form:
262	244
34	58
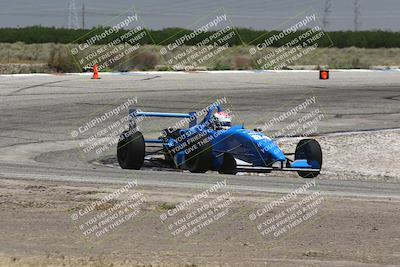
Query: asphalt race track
38	113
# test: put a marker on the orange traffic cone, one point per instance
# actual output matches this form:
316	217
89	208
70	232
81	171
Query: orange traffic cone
95	72
324	74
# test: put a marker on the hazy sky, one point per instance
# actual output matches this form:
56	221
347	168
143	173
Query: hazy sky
157	14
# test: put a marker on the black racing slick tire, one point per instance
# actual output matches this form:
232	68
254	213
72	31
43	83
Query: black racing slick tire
131	150
199	159
228	165
310	150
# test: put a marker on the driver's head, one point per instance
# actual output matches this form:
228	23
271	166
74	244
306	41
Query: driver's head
222	120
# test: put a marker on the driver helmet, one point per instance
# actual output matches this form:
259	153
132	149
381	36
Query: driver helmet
222	120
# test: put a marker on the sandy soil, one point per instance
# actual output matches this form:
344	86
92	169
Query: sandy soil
38	230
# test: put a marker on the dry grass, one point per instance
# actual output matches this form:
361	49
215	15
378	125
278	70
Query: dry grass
353	57
24	53
57	58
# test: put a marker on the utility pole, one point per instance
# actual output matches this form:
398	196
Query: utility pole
357	14
72	15
327	11
83	15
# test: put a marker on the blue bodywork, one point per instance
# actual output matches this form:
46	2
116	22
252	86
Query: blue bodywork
249	146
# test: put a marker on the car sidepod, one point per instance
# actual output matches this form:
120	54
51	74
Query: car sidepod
249	146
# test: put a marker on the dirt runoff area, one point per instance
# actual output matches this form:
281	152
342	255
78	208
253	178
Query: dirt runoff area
78	224
362	156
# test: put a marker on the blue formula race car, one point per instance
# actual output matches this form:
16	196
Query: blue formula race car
213	144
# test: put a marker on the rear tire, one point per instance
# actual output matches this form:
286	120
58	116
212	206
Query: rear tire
199	160
310	150
131	150
228	165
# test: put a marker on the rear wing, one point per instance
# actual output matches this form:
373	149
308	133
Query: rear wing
134	114
191	116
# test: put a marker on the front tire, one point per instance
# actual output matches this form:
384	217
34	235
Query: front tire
228	165
131	150
310	150
199	160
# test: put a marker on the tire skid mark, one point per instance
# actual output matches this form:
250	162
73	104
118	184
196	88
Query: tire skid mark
394	98
34	86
